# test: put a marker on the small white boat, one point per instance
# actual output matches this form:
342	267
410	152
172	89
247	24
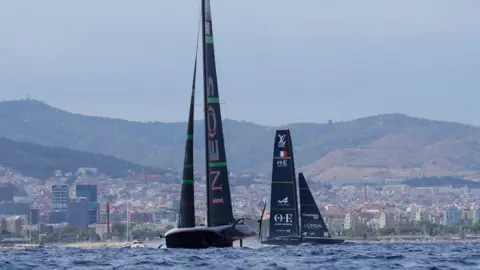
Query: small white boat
138	244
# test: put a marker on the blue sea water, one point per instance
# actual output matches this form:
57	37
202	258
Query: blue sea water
346	256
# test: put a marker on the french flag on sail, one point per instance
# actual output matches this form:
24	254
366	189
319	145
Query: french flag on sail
283	154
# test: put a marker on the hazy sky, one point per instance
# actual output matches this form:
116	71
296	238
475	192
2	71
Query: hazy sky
278	61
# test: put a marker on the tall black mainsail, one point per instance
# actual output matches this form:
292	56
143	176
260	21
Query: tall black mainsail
222	229
283	201
219	205
312	221
187	200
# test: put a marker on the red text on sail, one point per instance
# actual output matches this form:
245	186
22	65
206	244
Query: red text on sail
213	150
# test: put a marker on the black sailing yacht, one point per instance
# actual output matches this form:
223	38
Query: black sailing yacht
285	217
222	228
314	229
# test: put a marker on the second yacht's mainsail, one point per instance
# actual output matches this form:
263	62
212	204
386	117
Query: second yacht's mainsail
312	221
283	201
285	216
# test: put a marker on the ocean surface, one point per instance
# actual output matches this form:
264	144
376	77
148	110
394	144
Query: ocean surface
344	256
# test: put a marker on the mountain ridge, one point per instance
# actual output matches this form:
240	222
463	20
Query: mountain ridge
35	160
322	151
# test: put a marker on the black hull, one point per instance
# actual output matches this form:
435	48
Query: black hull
295	241
323	241
205	237
196	240
283	241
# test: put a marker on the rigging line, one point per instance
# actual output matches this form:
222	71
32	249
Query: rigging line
260	221
196	50
199	28
237	221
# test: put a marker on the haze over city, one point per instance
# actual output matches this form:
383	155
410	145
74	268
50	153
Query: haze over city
322	60
371	168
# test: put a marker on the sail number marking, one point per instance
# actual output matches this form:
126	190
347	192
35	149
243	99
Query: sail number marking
213	149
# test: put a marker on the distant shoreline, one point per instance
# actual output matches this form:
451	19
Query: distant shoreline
156	244
400	240
96	245
90	244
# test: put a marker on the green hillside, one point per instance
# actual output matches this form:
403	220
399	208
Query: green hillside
41	161
358	148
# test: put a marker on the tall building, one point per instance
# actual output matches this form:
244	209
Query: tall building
14	208
476	215
141	217
59	204
90	193
87	191
420	216
452	216
350	220
387	219
34	216
6	192
78	213
14	224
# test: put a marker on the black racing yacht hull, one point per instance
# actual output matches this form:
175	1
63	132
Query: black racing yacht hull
205	237
294	241
283	241
322	240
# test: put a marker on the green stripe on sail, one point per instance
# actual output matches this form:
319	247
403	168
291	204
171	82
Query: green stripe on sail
189	137
187	181
217	164
213	100
209	39
282	182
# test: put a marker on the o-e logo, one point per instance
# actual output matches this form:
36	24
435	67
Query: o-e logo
286	218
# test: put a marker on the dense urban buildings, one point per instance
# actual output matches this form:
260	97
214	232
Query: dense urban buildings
351	208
